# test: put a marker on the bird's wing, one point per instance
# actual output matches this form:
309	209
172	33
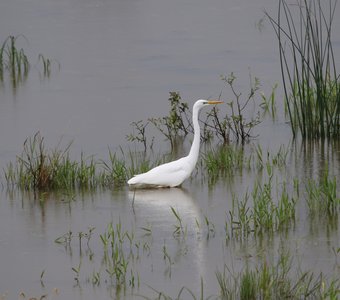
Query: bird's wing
170	167
169	174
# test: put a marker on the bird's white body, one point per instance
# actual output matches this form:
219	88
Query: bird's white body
167	175
173	174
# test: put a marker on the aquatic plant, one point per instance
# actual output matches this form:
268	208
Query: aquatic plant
119	251
76	271
65	239
269	103
41	168
115	171
179	228
263	282
264	159
264	214
322	197
310	80
115	259
223	161
167	259
274	282
47	64
210	227
15	62
239	222
38	168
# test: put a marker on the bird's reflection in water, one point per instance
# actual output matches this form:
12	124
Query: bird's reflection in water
152	207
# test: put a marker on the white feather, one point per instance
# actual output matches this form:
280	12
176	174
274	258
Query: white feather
173	174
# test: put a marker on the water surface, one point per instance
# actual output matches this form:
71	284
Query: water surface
119	61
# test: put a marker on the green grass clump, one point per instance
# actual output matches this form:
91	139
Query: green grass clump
248	285
13	60
264	282
115	171
269	214
223	161
40	168
15	63
265	213
116	259
310	80
322	198
119	252
275	282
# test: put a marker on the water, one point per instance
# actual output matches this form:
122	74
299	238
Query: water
119	61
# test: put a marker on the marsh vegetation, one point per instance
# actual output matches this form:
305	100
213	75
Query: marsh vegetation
258	219
308	66
266	209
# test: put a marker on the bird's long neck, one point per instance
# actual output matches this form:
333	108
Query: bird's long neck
195	147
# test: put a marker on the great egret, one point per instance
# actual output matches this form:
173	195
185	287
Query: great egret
173	174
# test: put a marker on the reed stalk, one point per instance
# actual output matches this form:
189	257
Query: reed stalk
310	80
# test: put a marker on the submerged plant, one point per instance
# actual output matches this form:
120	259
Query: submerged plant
115	259
223	161
274	282
119	252
308	66
115	171
47	64
264	214
269	103
14	61
322	198
179	228
41	168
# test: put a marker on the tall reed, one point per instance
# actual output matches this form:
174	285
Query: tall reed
308	67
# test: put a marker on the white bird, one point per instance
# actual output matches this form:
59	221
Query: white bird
173	174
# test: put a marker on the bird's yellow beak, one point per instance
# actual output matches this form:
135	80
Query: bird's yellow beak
215	102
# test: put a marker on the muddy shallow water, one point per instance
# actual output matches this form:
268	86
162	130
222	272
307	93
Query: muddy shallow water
119	61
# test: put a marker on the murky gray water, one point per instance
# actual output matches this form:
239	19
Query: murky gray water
119	61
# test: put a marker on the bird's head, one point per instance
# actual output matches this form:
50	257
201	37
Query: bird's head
201	103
